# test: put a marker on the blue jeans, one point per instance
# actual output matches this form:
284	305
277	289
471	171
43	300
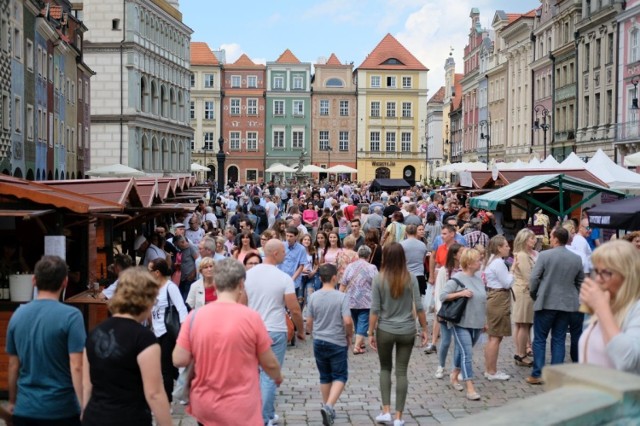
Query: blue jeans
445	342
545	321
360	321
331	361
465	338
267	385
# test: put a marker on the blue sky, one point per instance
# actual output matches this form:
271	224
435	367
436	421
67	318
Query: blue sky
349	28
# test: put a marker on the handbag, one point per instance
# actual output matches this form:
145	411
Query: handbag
452	310
171	316
183	385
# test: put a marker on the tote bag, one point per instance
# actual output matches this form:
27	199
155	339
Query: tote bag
452	310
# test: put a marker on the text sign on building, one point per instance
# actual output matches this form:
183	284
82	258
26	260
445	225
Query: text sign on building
383	163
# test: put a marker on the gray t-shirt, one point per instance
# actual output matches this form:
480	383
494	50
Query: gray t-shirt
395	315
415	251
412	219
327	308
374	221
476	310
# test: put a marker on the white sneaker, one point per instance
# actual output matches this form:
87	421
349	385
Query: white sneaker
398	422
439	372
275	419
498	376
460	377
383	418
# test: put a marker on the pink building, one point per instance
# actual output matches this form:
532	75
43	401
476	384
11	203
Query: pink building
627	139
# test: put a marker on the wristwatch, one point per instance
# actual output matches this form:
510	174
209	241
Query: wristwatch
369	332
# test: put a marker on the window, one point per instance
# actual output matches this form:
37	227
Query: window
297	138
587	56
375	81
29	55
235	106
278	139
298	108
193	144
208	110
324	107
374	141
193	80
30	120
610	48
596	105
42	124
208	141
252	175
235	81
634	45
334	82
252	107
391	109
297	83
234	141
278	83
391	142
192	110
278	108
51	70
406	82
79	89
405	141
391	81
252	141
208	80
609	112
17	112
343	141
406	110
252	81
6	122
344	108
323	140
4	35
598	52
17	43
375	109
586	111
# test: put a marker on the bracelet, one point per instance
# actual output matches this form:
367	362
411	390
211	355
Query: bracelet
369	333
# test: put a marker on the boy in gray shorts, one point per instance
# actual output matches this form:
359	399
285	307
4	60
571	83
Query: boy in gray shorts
329	317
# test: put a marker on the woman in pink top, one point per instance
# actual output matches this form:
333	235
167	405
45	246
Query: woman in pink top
310	218
334	248
247	245
225	389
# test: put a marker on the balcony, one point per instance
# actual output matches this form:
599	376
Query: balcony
627	131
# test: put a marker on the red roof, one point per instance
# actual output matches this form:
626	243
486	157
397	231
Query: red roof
288	58
513	17
202	55
390	48
244	62
122	191
438	97
333	60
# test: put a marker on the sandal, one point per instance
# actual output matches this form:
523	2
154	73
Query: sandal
529	353
358	351
456	385
522	361
474	396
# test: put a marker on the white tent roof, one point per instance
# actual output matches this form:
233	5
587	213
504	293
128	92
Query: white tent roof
550	163
573	162
460	167
341	168
632	160
115	170
534	163
195	167
310	168
615	176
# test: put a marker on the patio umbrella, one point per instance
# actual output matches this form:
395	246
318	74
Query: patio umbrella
280	168
313	169
341	168
115	170
195	167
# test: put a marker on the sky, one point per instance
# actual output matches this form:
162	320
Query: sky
313	29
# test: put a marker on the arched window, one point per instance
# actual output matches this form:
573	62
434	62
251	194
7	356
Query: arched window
144	95
155	155
180	106
174	156
334	82
154	98
163	101
146	153
172	100
634	45
181	158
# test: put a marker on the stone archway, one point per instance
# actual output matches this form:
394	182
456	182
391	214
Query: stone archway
409	174
383	173
232	174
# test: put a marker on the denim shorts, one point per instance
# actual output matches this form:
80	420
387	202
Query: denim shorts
331	361
361	320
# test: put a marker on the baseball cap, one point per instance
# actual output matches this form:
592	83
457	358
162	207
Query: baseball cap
140	240
178	225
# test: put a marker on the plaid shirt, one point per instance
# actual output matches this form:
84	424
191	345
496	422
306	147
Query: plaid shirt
476	237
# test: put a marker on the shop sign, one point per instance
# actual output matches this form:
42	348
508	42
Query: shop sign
383	163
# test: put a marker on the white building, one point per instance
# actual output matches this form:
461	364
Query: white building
140	51
435	107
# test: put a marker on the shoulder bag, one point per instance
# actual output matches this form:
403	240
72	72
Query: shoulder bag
171	316
452	310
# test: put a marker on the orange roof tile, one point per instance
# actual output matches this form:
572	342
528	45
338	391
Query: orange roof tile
513	17
438	97
288	58
244	62
202	55
390	48
55	11
333	60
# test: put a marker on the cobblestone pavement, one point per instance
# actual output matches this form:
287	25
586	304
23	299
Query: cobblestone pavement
430	401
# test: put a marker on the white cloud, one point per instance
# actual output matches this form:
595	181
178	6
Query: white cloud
232	51
430	32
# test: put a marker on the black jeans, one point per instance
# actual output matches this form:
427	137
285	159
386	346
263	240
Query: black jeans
169	373
27	421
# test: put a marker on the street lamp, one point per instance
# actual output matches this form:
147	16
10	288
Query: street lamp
544	112
634	102
221	157
329	150
486	124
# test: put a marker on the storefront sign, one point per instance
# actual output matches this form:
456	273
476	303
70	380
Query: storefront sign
383	163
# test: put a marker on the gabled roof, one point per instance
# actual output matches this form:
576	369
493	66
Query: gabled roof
438	97
515	17
202	55
333	60
288	57
389	54
244	62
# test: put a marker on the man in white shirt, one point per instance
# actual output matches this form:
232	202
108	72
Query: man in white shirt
268	291
272	210
580	245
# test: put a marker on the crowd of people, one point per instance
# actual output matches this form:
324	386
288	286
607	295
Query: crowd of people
259	267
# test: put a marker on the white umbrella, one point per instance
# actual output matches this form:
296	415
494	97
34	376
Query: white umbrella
115	170
341	168
195	167
313	169
280	168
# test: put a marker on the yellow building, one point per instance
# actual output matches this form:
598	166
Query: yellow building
392	111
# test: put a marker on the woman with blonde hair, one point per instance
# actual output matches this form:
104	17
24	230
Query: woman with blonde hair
612	338
203	291
524	257
121	367
391	324
346	256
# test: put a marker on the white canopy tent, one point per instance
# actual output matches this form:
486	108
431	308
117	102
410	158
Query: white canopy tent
573	162
632	160
461	167
550	163
617	177
195	167
280	168
115	170
534	163
310	168
341	168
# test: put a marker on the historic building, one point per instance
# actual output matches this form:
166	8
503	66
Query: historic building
333	115
435	141
204	105
140	51
470	81
628	117
243	120
288	117
484	118
392	100
596	38
450	78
